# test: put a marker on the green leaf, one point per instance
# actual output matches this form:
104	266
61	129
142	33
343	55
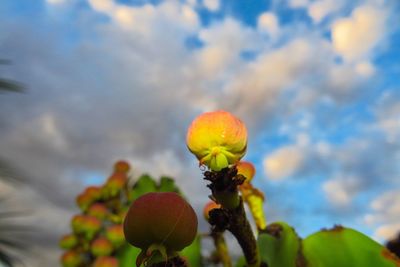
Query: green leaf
167	184
145	184
279	245
345	247
127	255
241	262
192	253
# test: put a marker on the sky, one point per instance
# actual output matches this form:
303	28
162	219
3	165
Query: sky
316	83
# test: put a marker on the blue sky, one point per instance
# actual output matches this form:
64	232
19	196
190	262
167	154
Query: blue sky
316	83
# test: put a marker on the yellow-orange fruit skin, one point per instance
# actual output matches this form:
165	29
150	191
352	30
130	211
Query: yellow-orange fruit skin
217	139
162	218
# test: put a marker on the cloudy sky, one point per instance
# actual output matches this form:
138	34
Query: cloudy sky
316	83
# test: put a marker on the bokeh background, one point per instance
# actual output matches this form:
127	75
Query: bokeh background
316	82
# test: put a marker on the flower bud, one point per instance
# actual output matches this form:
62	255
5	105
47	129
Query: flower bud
217	139
101	246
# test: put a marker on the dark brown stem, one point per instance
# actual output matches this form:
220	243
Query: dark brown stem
224	187
240	227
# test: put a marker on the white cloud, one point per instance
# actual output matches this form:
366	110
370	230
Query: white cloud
365	68
388	119
298	3
102	5
268	22
354	37
341	190
192	3
386	214
387	231
212	5
318	10
56	2
302	139
283	162
256	88
223	43
148	19
324	149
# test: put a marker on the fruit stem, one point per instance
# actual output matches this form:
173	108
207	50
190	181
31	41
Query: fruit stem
224	186
174	262
221	247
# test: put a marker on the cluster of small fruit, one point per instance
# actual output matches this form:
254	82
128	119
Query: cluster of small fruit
97	233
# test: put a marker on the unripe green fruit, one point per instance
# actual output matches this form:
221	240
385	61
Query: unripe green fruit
98	210
114	185
115	234
68	241
101	247
71	259
77	223
160	218
106	261
87	197
121	166
87	225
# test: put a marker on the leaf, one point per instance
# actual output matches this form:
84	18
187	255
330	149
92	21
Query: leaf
145	184
167	184
127	255
192	253
346	247
279	245
11	86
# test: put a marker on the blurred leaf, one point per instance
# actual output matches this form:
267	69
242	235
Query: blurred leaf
167	184
346	247
192	253
11	241
127	256
279	245
11	86
241	262
145	184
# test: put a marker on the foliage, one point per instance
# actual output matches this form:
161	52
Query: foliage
10	233
116	198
